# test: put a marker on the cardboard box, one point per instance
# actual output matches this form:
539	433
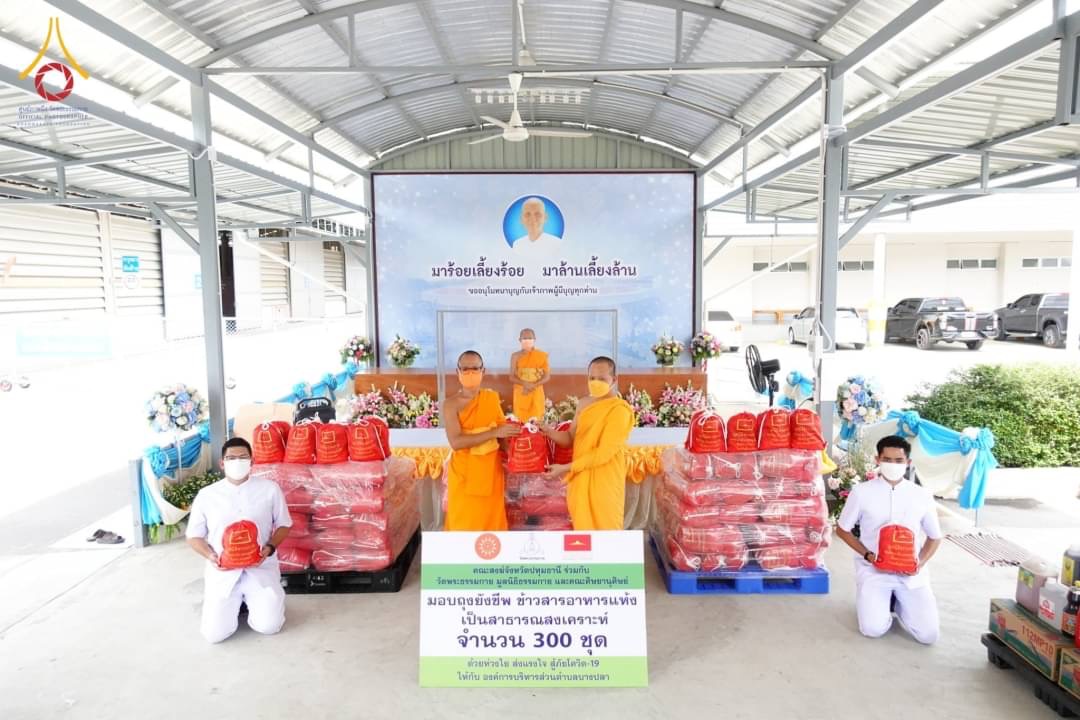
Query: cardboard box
1070	671
1032	640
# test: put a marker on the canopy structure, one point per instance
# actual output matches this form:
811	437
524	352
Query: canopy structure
212	115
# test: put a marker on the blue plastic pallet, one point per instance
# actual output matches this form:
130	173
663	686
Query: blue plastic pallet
748	581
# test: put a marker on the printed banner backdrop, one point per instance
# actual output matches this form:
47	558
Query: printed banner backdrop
515	243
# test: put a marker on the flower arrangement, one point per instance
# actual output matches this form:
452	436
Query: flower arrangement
854	467
359	349
861	402
182	494
176	407
678	404
555	413
704	347
667	350
397	407
644	413
402	352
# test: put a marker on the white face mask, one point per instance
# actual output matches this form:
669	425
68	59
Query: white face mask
893	471
237	469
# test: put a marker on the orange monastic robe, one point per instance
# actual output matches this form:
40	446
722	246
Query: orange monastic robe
530	366
597	480
475	480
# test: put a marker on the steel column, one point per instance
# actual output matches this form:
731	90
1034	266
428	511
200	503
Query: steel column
1072	332
699	254
203	188
828	246
369	248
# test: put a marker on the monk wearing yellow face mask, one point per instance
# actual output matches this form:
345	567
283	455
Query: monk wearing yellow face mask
529	368
597	476
474	423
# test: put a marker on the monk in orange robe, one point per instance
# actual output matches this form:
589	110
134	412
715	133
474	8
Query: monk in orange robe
474	423
529	367
596	492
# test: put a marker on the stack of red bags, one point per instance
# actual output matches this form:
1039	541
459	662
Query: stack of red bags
738	492
348	514
533	502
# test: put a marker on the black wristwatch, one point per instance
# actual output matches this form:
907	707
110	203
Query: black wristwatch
866	555
273	548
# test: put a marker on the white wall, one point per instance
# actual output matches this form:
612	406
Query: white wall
1017	281
855	288
355	279
782	290
308	298
181	278
731	265
247	283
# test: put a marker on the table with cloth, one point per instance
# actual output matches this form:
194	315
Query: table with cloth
429	450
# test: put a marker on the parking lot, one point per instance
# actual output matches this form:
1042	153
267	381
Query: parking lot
901	369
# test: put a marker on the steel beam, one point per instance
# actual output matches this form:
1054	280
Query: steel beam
762	127
757	182
1018	52
886	35
946	150
1068	94
158	212
604	38
748	67
82	161
369	246
94	201
828	245
211	274
1028	183
716	250
868	215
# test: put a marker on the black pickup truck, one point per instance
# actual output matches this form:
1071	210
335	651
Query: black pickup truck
1040	315
938	319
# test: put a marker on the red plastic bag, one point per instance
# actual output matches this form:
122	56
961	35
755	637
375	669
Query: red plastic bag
240	546
300	447
722	540
300	499
544	505
337	560
806	431
790	464
703	562
369	439
706	433
528	452
268	442
553	523
774	429
304	542
300	522
790	557
293	559
332	444
333	538
896	550
561	455
742	433
795	512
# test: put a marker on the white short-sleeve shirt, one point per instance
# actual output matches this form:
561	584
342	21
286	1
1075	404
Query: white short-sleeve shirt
219	505
876	503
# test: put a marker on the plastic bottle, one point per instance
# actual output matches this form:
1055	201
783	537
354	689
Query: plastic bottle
1032	575
1072	608
1053	597
1070	566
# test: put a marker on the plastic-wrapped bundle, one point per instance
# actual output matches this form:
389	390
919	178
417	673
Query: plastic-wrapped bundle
767	536
721	540
687	561
293	559
714	466
704	493
791	557
811	511
790	464
537	496
679	513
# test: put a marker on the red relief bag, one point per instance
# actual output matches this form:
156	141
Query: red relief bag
332	444
742	433
268	442
369	439
293	559
528	452
240	546
896	550
706	433
561	455
300	448
774	429
806	431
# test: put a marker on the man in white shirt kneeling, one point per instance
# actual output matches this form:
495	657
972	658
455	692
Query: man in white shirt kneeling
883	503
237	524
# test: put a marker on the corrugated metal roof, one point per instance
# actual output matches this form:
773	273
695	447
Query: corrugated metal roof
390	110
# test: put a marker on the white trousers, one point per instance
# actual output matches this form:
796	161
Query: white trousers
265	603
916	608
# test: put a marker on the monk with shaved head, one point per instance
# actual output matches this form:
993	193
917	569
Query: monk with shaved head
529	369
474	423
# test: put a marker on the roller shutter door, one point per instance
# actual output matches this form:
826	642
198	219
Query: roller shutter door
53	264
274	275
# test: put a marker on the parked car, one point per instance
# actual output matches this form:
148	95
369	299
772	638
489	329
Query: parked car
931	320
850	328
1040	315
721	324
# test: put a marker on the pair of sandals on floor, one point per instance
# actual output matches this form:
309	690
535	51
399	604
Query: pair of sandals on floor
105	537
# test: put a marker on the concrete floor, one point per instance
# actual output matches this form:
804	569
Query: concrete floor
124	643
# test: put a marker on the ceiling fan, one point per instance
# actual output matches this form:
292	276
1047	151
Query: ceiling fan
515	130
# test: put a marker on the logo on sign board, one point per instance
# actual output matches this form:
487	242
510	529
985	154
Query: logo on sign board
531	550
577	543
488	546
39	77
